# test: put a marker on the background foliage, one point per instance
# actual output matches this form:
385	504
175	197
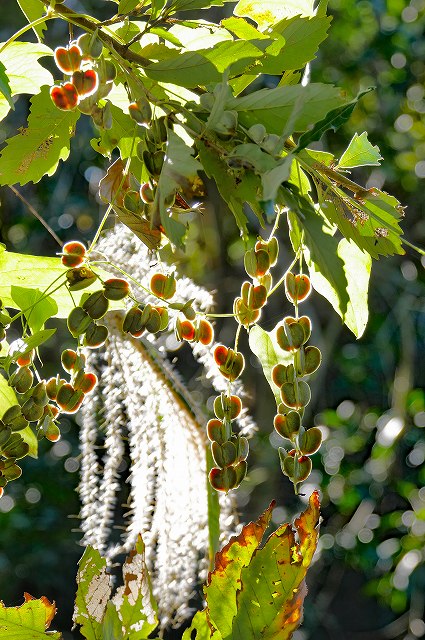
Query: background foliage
368	393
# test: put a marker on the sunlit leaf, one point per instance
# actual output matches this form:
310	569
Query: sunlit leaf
29	621
269	12
32	11
5	86
200	629
43	309
264	345
360	152
24	72
37	149
93	592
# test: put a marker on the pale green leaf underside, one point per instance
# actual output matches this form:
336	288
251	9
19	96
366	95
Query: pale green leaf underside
36	150
25	73
360	152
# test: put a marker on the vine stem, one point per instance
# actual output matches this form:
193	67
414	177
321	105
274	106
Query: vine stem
36	214
413	246
49	15
238	332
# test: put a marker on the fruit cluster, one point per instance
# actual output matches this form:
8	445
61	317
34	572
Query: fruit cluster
90	78
292	336
229	451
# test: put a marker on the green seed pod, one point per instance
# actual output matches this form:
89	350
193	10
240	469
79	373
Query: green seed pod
297	468
116	289
164	317
78	321
11	471
133	322
305	323
295	395
290	335
5	433
80	278
102	116
22	379
257	263
240	471
233	364
10	414
52	432
206	100
224	454
69	399
288	424
253	297
243	314
228	407
223	479
90	45
309	441
282	373
141	111
72	360
15	447
297	287
153	325
163	286
271	247
242	448
218	431
225	128
39	394
312	360
270	142
257	133
31	410
96	305
95	335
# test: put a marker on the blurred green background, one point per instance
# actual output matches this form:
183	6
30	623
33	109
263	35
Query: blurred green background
368	580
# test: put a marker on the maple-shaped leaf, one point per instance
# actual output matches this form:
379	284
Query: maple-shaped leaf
257	593
93	593
134	601
37	149
29	621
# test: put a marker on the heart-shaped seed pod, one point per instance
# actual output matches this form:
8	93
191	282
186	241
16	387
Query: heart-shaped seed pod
133	322
85	382
312	359
73	254
240	471
257	263
297	287
218	431
290	335
164	317
297	468
95	336
243	314
96	305
242	448
85	82
309	441
64	96
69	399
90	45
204	332
295	395
116	289
80	278
5	433
26	359
271	247
305	322
288	424
21	380
140	111
186	330
220	354
39	394
147	193
32	411
153	323
13	418
223	479
72	360
228	407
52	432
233	364
68	59
11	471
224	454
78	321
282	373
163	286
253	297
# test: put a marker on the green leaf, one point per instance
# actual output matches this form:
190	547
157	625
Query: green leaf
338	269
272	587
25	74
36	150
371	221
213	512
224	582
43	309
134	601
93	592
332	120
269	12
179	167
29	621
264	345
111	626
274	107
200	629
190	5
272	179
24	345
39	273
359	153
5	86
32	11
188	69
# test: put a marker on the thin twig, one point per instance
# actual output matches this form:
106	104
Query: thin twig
36	215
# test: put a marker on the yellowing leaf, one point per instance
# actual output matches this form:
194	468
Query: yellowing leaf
359	153
269	12
29	621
